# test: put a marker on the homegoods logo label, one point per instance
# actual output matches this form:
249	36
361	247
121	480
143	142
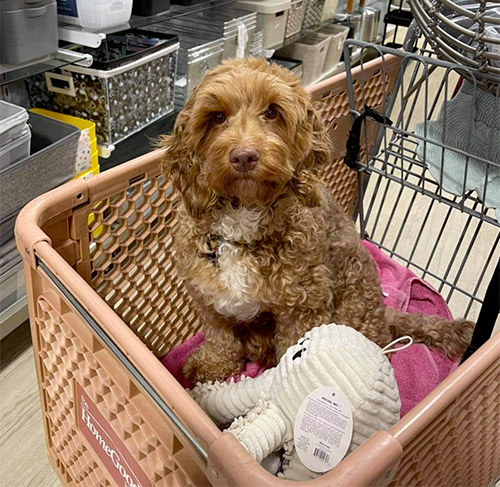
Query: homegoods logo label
107	445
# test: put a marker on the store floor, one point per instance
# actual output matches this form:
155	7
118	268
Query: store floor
24	461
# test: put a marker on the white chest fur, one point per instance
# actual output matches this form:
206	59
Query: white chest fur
238	297
240	285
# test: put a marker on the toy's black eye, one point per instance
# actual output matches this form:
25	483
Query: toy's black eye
298	354
219	117
271	113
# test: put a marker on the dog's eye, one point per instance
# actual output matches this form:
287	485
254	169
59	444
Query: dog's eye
271	113
219	117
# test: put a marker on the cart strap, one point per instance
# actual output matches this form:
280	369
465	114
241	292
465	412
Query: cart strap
353	141
487	316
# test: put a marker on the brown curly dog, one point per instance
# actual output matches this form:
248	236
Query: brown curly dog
261	242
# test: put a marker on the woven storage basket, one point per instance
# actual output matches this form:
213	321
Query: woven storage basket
104	299
463	32
314	12
311	50
337	34
295	17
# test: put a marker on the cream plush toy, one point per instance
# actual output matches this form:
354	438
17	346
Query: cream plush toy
262	411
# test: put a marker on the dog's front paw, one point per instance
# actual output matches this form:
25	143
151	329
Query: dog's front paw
204	365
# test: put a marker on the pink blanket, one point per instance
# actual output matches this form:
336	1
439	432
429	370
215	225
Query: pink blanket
417	369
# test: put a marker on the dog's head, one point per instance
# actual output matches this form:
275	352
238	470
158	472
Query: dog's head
247	134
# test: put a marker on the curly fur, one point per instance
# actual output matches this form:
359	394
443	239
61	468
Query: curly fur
290	258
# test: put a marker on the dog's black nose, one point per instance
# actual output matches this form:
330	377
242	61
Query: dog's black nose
244	159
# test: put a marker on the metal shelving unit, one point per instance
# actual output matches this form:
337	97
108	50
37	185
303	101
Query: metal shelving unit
10	73
71	34
93	38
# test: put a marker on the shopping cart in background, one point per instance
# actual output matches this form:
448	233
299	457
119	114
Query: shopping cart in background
429	196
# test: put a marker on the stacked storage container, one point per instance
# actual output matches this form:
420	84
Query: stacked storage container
337	34
54	146
199	52
235	26
28	30
271	19
15	139
257	46
15	134
87	159
311	50
130	84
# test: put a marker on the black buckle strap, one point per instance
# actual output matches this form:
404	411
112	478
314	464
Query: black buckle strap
487	316
353	141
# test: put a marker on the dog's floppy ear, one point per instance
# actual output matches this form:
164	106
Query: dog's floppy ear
181	165
306	181
321	148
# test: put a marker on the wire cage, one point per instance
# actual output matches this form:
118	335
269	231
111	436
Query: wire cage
431	196
464	32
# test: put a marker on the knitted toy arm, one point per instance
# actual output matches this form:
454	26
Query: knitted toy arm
224	401
263	430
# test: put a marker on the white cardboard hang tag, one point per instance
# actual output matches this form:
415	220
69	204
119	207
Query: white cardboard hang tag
323	429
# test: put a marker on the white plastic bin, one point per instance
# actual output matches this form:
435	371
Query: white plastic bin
337	34
15	134
311	50
271	18
94	14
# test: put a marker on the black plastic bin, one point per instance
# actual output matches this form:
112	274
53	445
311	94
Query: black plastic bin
294	65
150	7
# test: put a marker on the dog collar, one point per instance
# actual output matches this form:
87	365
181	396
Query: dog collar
213	244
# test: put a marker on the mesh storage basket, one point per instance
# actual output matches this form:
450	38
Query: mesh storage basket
127	88
104	299
313	14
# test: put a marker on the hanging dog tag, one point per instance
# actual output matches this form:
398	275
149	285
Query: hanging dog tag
323	429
